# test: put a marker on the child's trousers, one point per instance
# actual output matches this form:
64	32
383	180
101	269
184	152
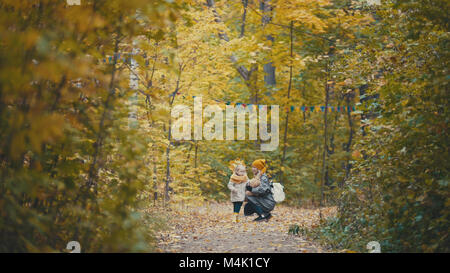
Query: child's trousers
237	207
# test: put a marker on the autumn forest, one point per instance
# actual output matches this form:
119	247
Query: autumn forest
88	151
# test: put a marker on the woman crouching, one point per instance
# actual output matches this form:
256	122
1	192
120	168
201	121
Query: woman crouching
259	192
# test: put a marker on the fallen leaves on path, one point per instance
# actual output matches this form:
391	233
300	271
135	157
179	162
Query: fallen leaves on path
209	228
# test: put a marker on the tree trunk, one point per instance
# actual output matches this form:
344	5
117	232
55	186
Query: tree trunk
325	145
155	182
93	170
169	137
244	15
286	126
348	145
269	69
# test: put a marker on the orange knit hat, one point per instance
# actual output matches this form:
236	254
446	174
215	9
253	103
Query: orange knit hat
260	164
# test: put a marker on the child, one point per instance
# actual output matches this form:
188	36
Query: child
237	183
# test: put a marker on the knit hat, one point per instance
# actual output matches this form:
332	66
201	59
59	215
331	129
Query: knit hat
234	177
260	164
235	163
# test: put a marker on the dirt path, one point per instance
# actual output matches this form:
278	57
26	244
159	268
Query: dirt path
209	228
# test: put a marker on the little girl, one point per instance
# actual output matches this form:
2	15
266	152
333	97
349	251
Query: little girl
237	183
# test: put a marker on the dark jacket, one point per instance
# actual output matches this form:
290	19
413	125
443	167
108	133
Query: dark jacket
263	196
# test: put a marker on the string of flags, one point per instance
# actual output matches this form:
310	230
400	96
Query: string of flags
125	57
291	108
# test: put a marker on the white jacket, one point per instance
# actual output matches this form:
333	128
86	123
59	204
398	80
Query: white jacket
237	191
